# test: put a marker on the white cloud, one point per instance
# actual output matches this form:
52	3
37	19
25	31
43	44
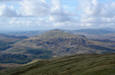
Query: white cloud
58	16
1	9
7	11
34	8
40	13
97	14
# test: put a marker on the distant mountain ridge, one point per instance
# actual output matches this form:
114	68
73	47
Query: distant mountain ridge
94	31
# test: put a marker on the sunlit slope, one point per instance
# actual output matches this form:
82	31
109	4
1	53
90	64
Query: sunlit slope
70	65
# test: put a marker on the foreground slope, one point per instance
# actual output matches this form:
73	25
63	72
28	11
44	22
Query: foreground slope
69	65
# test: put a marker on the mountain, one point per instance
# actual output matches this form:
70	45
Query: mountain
69	65
57	41
51	44
60	43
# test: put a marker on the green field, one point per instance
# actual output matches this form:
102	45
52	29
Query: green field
69	65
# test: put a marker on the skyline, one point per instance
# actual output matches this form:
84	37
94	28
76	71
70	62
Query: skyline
56	14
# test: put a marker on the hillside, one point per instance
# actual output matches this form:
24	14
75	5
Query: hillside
69	65
7	40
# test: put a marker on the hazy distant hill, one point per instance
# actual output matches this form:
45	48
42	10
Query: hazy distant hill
94	31
104	35
25	33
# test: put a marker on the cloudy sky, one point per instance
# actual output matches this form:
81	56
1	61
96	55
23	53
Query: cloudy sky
52	14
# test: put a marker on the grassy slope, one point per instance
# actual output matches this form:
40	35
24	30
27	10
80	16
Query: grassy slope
70	65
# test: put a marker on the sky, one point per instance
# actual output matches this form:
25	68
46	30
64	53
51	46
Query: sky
56	14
